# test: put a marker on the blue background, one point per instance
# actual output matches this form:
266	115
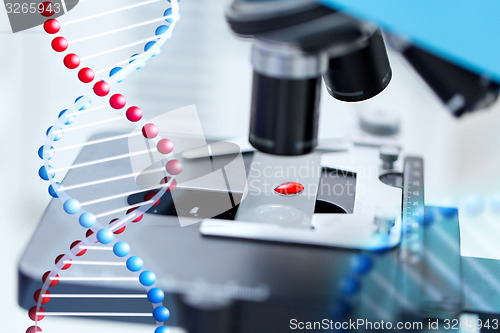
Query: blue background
466	32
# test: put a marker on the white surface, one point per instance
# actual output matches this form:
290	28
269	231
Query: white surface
462	157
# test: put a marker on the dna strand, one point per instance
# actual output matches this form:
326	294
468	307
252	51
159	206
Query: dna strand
79	194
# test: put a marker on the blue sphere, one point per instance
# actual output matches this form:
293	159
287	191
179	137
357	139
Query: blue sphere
66	117
82	103
140	63
349	285
134	57
161	314
87	220
48	153
71	206
121	249
168	12
156	295
53	191
42	172
361	264
162	329
149	45
147	278
161	30
115	71
54	134
134	264
105	236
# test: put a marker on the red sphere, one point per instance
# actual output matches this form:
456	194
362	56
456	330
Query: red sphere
165	146
101	88
134	114
137	218
75	245
174	167
46	9
172	185
59	258
117	101
37	296
33	330
92	235
52	26
86	75
59	44
150	195
33	316
52	282
119	231
150	131
71	61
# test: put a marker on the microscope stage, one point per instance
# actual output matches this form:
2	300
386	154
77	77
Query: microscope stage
232	282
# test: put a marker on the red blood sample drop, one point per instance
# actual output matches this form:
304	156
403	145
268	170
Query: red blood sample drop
289	188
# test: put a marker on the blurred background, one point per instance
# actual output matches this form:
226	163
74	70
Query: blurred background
205	65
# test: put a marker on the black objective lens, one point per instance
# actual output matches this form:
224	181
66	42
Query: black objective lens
284	115
361	73
285	98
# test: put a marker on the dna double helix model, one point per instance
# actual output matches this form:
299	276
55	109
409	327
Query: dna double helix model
90	194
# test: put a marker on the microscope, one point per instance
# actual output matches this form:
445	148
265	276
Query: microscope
296	46
314	239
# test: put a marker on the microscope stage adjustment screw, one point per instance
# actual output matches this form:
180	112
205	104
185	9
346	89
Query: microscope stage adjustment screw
389	155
